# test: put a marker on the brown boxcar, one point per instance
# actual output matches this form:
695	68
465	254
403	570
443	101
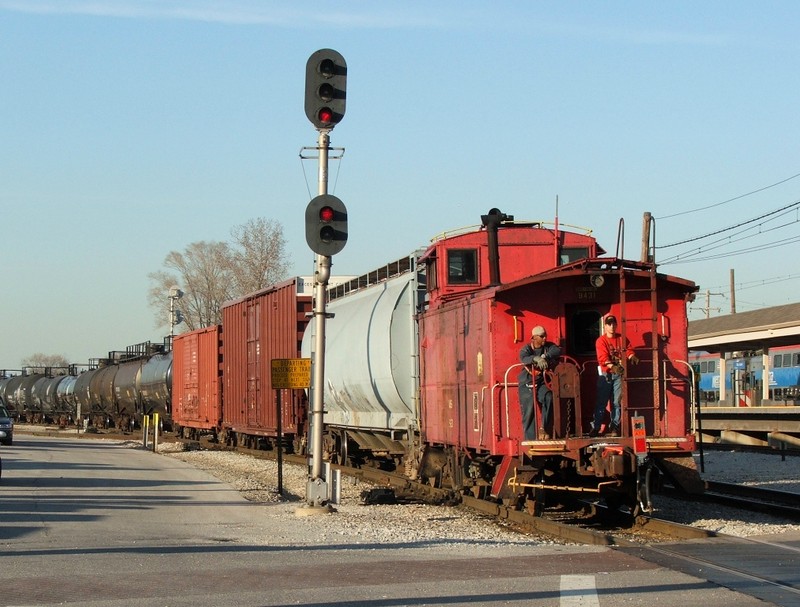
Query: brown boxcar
258	328
196	382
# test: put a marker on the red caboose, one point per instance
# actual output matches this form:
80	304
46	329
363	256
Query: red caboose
487	290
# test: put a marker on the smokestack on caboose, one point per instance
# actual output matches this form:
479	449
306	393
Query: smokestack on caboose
492	222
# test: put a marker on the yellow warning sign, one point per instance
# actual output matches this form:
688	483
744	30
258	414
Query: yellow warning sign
291	373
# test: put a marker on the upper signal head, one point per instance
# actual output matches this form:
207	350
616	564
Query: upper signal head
326	88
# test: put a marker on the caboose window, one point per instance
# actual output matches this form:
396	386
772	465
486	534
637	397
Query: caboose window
777	361
712	366
568	255
430	271
462	266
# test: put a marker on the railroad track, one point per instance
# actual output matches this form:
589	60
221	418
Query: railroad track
763	569
722	559
756	499
745	497
590	526
787	451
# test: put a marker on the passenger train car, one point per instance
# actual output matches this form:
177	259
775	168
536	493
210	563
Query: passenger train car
744	377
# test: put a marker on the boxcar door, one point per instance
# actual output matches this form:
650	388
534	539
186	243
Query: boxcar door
253	362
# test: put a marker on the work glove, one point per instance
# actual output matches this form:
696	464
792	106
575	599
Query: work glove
617	369
634	360
540	362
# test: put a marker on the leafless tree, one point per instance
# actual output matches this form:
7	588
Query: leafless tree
258	257
39	363
210	273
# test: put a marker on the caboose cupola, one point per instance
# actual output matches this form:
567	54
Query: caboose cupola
498	252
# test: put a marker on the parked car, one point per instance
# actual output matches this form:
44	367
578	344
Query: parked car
6	425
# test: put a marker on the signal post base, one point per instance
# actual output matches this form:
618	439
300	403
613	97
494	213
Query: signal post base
314	510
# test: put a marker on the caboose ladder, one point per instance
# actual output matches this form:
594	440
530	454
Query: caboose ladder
652	317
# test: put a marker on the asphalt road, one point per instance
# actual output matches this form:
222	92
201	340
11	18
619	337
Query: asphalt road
92	523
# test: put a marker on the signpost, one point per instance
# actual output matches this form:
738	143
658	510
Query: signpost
287	374
291	373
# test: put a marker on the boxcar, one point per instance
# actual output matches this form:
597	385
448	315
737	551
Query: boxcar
258	328
197	382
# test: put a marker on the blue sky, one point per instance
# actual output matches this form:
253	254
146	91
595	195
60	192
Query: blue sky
131	128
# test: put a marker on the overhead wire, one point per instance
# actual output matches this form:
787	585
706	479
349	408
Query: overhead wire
770	245
763	228
717	204
752	284
685	257
761	223
733	227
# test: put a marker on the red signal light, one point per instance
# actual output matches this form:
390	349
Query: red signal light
325	115
326	214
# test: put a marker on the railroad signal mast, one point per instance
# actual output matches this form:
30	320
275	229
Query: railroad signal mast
326	234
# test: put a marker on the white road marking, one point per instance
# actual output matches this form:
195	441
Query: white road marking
578	591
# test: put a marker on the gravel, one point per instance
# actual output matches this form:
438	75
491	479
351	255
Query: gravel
256	480
763	470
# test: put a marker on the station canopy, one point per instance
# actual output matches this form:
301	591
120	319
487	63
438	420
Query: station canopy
755	330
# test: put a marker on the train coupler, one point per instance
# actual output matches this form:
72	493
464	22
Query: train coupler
613	461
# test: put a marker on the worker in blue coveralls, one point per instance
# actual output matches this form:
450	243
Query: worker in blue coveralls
537	356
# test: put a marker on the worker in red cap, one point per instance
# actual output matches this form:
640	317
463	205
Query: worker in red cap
611	349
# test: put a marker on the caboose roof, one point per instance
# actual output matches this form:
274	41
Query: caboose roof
599	265
514	232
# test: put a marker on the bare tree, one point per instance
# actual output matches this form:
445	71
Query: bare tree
258	257
210	273
39	363
202	272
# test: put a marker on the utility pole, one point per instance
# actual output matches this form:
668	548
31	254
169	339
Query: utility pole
733	295
707	309
175	315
